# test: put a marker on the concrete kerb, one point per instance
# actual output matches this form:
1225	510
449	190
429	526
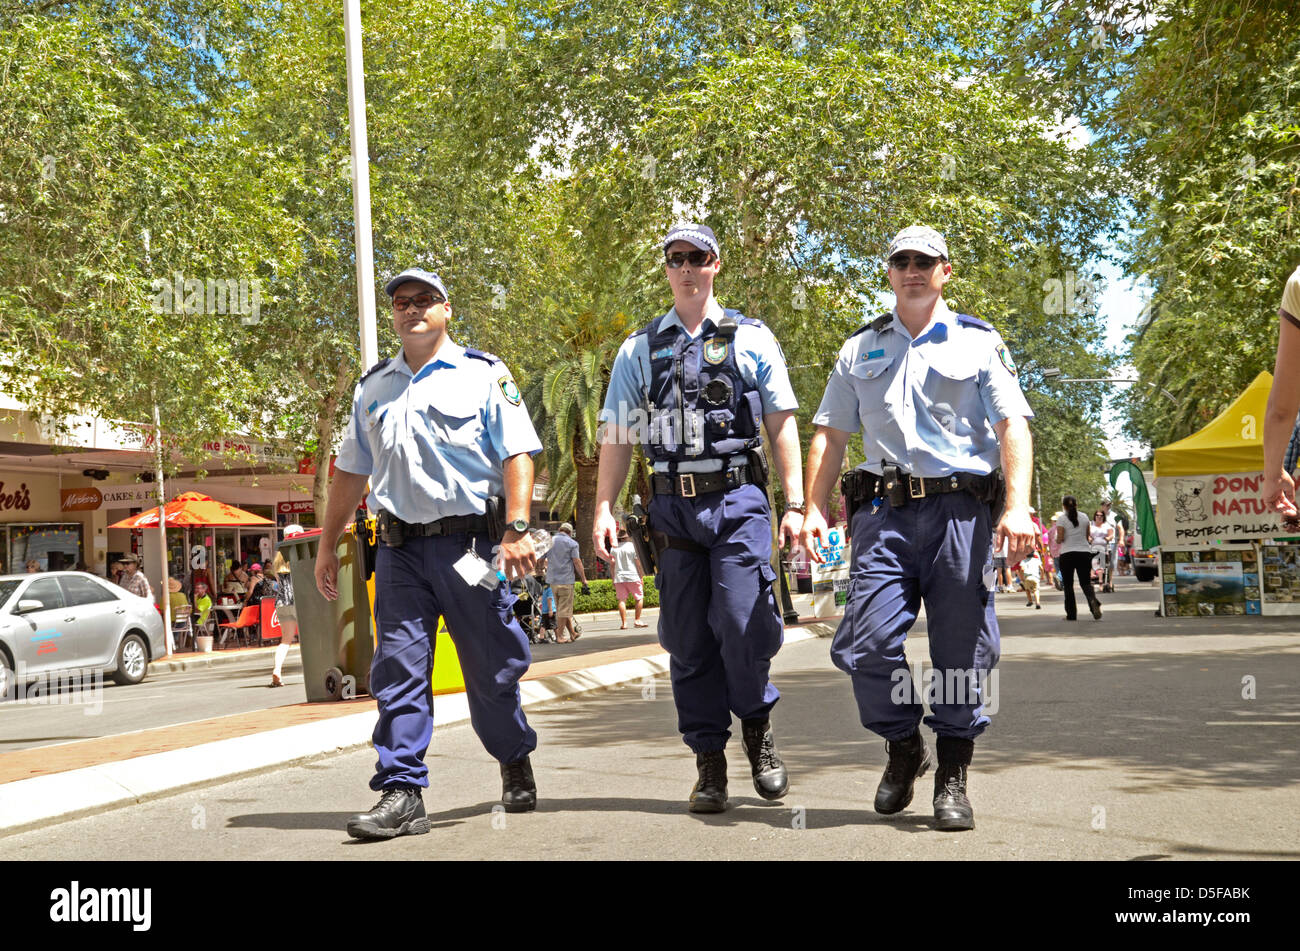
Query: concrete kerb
199	661
45	800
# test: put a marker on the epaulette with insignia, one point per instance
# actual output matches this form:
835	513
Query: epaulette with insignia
375	369
970	321
482	355
880	323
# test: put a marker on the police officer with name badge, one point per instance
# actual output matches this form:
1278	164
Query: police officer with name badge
936	397
442	436
695	387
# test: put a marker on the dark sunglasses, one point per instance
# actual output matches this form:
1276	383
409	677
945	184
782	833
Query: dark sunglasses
420	301
695	258
923	262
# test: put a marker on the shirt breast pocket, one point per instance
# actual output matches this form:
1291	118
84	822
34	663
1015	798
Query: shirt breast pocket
871	379
456	419
952	379
376	428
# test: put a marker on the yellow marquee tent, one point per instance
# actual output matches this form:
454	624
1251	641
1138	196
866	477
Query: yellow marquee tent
1231	442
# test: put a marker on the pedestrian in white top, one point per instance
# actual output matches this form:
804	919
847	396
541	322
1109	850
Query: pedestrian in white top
628	572
1076	558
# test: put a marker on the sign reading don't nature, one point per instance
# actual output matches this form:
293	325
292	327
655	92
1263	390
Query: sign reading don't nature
1207	508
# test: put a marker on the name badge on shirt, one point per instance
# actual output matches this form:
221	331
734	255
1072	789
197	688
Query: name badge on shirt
874	353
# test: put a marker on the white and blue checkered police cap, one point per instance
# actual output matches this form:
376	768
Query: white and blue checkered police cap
417	274
919	238
696	235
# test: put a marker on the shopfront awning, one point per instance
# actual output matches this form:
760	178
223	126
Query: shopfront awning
192	509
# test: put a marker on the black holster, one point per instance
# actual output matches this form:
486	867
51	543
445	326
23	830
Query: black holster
758	466
638	530
996	497
367	545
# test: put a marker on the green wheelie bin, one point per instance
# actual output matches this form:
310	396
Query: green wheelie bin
335	637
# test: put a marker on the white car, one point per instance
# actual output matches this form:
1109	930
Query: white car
70	620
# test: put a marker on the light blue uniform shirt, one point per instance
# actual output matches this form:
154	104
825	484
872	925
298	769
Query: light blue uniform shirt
927	404
433	442
758	357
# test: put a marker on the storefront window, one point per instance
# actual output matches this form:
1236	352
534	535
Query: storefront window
225	554
177	563
52	547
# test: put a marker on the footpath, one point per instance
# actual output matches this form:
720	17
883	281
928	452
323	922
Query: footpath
42	785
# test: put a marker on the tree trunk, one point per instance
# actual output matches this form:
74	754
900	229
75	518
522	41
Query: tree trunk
586	505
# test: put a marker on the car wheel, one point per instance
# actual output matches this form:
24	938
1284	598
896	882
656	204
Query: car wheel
6	677
1144	574
132	660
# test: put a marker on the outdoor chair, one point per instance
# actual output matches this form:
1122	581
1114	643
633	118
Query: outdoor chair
248	618
182	624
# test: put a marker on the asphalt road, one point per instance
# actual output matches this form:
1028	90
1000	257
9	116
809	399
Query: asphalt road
240	685
1128	738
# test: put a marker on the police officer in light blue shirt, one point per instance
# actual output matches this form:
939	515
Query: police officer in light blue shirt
441	434
696	387
946	437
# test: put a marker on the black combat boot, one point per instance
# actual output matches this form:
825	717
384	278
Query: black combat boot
710	791
400	811
952	810
770	779
518	790
908	761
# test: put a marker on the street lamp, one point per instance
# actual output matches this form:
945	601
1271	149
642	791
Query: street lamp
1054	373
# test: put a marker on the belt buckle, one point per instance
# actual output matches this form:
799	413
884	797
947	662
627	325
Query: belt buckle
911	492
686	485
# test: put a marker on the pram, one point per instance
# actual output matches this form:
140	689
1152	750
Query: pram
528	610
1102	567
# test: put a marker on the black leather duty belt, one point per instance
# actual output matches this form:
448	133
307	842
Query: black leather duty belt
690	484
900	488
392	530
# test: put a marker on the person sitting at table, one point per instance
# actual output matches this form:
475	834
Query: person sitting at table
177	600
202	604
259	589
232	589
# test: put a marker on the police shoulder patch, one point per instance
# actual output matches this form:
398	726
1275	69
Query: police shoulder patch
1005	356
715	350
509	390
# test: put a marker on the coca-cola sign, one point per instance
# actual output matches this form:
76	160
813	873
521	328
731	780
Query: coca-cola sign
80	500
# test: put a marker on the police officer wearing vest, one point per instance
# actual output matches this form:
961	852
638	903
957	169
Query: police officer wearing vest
695	387
936	397
441	434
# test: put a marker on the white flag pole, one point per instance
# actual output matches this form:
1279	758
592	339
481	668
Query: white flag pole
360	183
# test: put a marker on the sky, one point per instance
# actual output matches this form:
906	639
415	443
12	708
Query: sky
1121	303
